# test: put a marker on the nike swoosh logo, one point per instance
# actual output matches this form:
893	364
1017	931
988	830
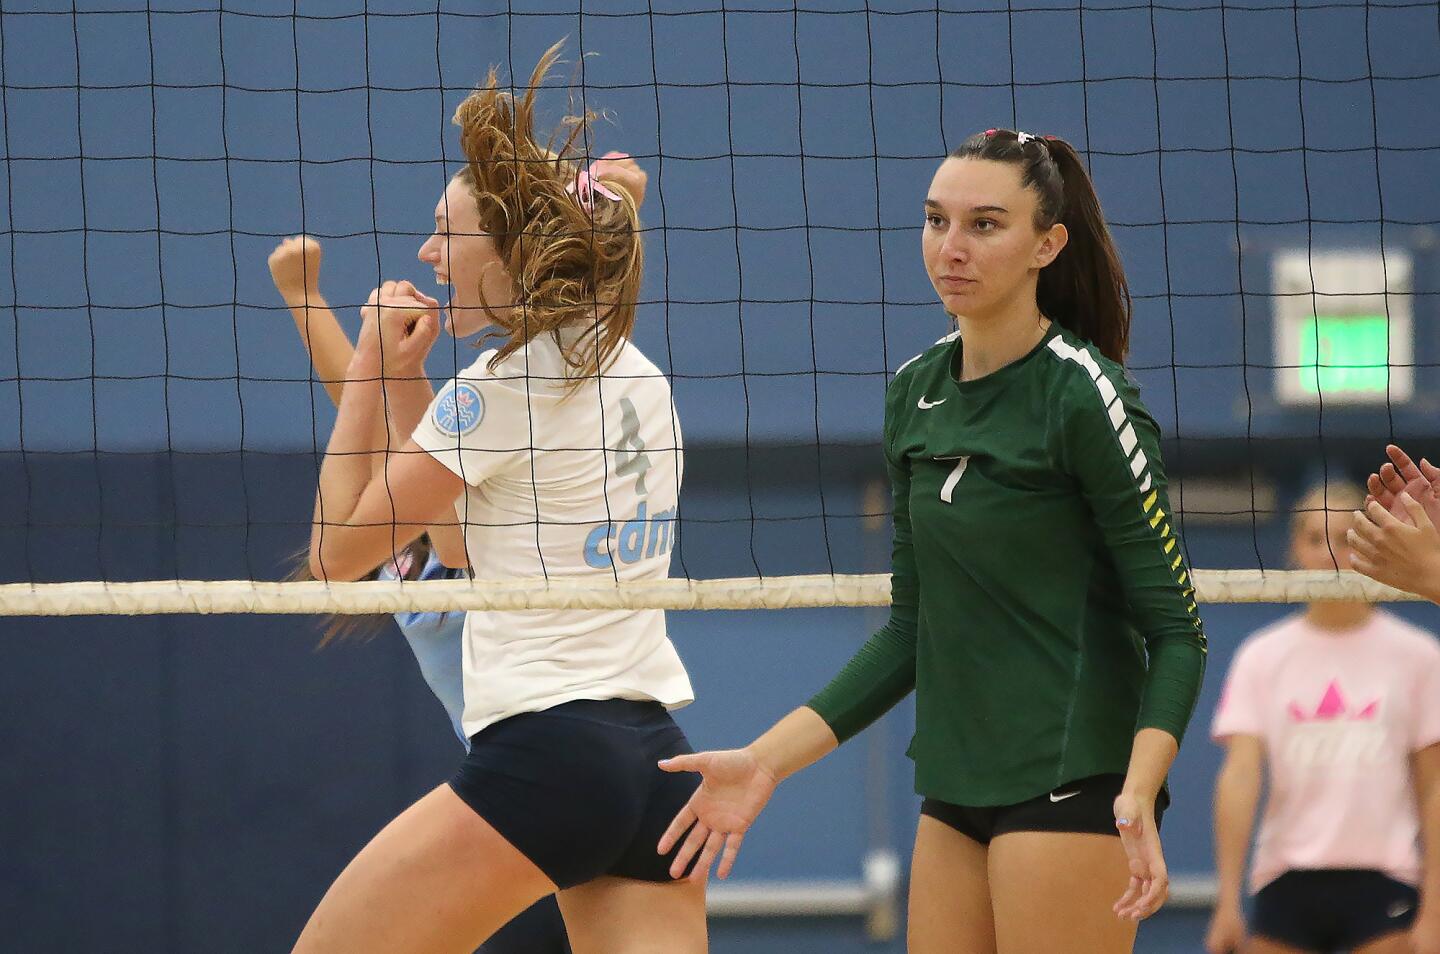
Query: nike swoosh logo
925	405
1397	909
1060	798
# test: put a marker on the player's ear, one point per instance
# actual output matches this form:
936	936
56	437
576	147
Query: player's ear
1052	243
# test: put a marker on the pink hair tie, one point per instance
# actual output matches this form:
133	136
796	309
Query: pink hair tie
587	182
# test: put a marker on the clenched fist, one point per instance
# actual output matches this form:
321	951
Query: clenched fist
295	268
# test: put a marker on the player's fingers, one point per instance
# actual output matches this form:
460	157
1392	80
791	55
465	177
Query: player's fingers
1381	517
701	872
1429	471
1129	905
426	330
1403	464
732	849
1362	565
693	842
684	763
1418	516
1158	895
1373	485
1133	890
1391	478
679	825
1359	543
1157	888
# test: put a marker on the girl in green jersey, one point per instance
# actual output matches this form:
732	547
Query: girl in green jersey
1021	427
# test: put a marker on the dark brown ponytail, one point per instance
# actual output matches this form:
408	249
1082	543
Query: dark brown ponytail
361	627
1084	289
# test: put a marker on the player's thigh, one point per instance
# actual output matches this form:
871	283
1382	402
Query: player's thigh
627	916
1263	945
949	893
1075	879
438	878
1396	942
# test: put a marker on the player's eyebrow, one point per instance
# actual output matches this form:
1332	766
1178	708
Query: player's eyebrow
979	209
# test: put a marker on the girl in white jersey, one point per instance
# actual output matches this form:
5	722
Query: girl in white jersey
560	453
434	638
1338	707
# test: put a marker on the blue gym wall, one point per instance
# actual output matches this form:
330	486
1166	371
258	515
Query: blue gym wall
194	783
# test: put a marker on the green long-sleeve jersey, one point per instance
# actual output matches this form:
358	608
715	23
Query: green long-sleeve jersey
1041	607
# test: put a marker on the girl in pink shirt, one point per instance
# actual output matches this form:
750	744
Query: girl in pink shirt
1339	708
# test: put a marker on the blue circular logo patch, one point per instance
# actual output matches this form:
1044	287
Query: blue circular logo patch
459	410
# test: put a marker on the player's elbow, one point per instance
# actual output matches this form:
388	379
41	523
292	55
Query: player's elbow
328	562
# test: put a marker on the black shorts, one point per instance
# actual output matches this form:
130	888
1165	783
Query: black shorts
1334	909
576	788
1085	806
538	929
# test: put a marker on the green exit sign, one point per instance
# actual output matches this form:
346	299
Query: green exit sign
1344	356
1343	328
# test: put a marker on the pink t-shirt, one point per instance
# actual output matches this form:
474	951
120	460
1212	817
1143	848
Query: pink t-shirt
1339	713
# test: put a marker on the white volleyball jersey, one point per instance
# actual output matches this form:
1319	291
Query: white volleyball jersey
564	484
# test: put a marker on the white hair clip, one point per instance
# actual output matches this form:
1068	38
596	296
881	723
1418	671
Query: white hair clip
1023	137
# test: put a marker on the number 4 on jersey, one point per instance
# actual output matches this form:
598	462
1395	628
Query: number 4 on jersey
630	452
947	489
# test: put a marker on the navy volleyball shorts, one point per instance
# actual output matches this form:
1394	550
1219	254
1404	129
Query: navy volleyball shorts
1085	806
1333	909
576	789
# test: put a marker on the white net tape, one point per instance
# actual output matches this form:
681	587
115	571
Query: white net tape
780	592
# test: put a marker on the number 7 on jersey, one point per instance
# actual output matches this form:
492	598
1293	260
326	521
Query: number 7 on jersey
947	489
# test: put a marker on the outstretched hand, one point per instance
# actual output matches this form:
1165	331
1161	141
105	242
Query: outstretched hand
1401	474
734	787
1403	553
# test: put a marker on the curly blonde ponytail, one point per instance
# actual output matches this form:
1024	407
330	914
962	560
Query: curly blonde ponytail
572	266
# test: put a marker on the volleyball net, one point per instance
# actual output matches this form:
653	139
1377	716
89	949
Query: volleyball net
1265	167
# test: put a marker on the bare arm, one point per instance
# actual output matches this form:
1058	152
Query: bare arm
295	269
1237	797
1426	767
797	741
1151	756
406	400
361	518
